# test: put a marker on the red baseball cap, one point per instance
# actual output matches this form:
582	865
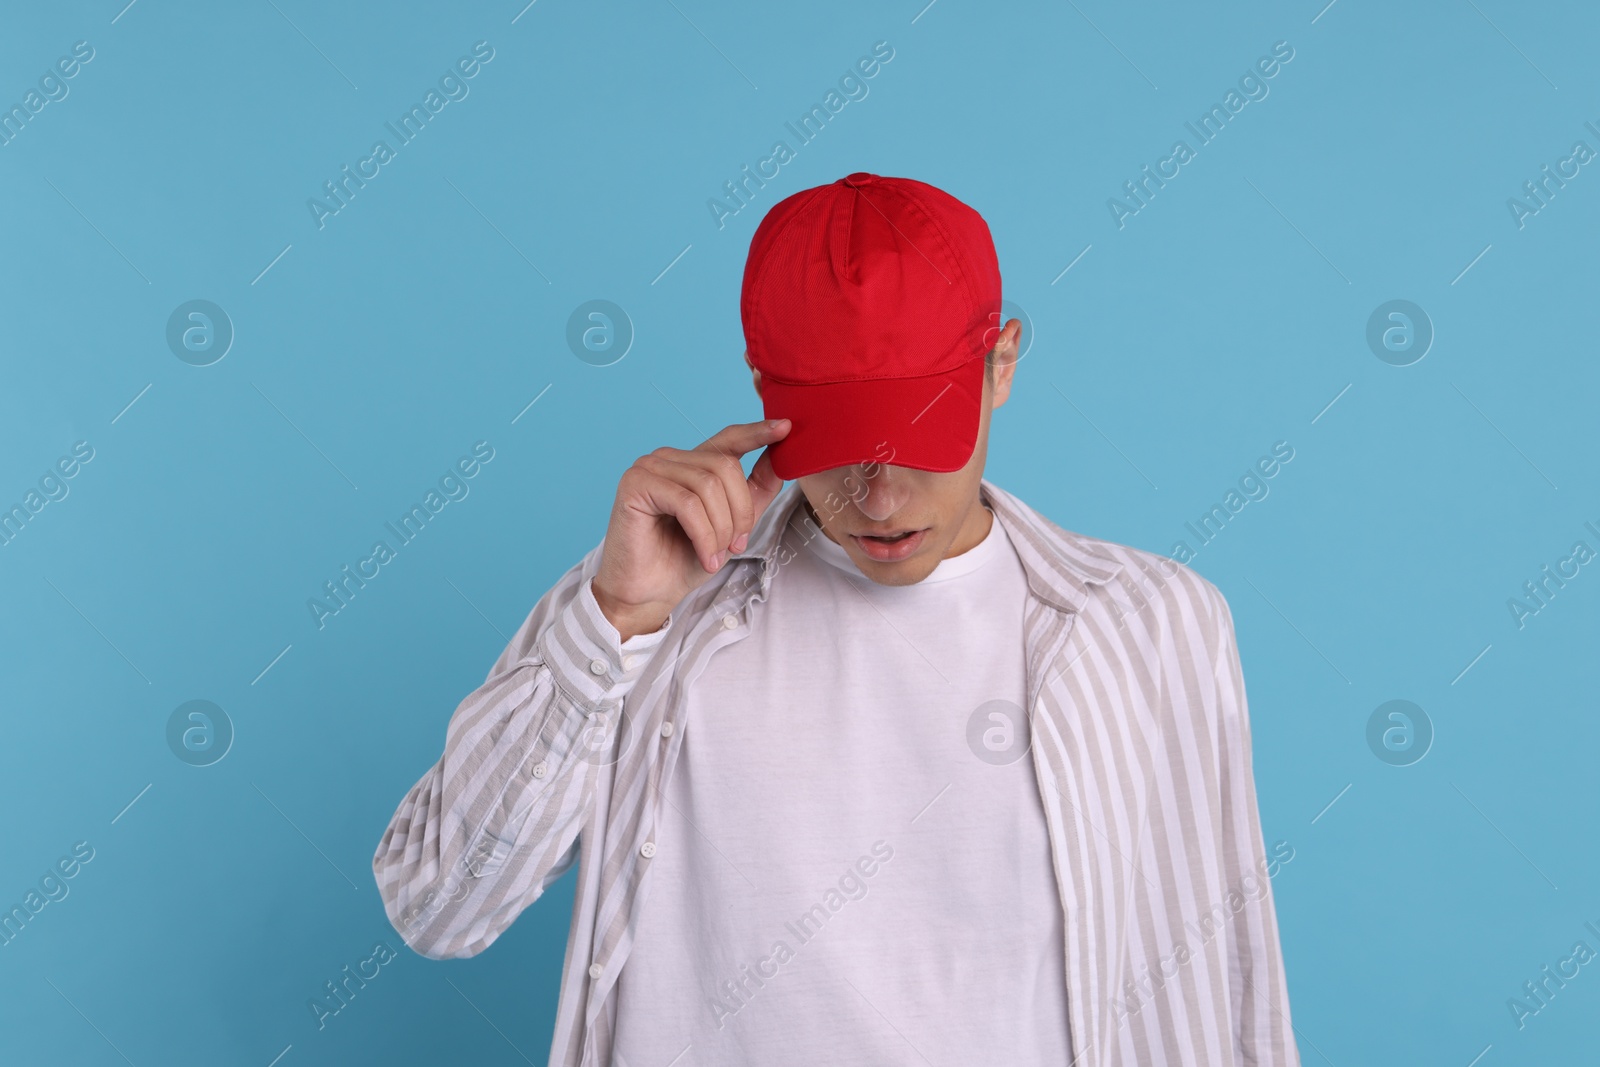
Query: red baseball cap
868	306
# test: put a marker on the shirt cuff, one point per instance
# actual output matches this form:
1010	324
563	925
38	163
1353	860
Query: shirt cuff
587	655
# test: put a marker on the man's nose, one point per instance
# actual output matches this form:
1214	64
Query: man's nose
883	490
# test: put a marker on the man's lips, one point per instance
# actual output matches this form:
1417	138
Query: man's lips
889	548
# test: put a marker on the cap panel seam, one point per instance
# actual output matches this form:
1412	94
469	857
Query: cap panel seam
849	228
944	238
948	247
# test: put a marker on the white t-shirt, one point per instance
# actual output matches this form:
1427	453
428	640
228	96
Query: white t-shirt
853	865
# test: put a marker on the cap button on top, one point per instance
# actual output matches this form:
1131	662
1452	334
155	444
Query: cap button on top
860	177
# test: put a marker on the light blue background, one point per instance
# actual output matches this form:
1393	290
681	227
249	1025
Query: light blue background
1222	318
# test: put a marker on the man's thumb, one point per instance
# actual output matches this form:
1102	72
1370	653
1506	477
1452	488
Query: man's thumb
764	484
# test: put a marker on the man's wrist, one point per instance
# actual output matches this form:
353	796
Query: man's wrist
630	620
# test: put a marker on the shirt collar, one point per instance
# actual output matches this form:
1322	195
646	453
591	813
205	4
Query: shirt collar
1061	565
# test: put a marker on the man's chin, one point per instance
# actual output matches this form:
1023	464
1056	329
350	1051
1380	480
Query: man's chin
908	571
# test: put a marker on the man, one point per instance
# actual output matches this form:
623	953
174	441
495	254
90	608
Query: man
876	767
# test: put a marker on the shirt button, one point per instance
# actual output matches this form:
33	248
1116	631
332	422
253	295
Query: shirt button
666	729
629	662
730	621
647	849
540	770
597	666
595	970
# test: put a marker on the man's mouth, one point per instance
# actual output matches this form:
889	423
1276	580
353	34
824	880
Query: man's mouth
889	548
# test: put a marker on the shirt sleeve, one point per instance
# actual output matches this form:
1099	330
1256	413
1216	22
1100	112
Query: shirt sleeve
1263	1034
496	820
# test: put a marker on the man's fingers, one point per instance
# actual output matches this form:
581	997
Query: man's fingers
667	497
731	477
706	490
698	477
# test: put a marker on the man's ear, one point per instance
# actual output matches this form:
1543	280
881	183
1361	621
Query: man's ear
1003	360
755	375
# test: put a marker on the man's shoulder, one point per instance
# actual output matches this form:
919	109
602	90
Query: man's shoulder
1108	570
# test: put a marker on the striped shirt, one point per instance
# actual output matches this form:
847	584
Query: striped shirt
1140	740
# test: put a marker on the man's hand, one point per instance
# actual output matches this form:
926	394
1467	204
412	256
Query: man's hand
677	517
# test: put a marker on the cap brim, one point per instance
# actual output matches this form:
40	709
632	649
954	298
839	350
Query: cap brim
927	423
